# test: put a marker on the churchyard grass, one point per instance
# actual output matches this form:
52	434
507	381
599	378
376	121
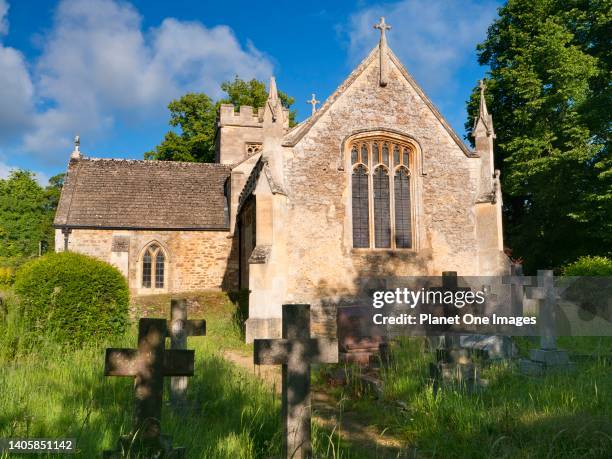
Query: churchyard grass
55	393
561	415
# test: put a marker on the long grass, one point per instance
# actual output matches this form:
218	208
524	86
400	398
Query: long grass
560	415
58	393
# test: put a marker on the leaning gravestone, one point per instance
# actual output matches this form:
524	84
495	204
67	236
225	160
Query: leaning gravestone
148	364
295	352
180	329
547	356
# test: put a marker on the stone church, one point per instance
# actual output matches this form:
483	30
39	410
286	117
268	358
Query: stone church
374	184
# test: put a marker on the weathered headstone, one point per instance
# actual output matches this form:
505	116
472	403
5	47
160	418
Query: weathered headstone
148	364
548	356
180	329
295	352
454	363
517	282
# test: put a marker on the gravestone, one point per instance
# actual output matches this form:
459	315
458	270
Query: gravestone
547	356
454	363
295	352
148	365
180	329
517	283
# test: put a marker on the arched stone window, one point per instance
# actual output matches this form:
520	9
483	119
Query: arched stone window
153	267
381	193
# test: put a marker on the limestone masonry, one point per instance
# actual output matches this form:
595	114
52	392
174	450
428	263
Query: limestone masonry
375	184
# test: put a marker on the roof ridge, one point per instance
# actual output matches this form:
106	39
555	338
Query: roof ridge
309	122
294	136
152	161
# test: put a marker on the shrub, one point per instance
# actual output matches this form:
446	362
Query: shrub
71	297
6	275
589	266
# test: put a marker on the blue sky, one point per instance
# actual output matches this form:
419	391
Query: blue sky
106	69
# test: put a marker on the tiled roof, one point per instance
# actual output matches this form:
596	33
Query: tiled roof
110	193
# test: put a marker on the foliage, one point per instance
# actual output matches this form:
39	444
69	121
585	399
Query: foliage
589	266
26	215
72	297
195	117
548	90
560	415
235	416
7	275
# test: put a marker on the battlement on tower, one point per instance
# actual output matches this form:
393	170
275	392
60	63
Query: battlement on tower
246	116
240	132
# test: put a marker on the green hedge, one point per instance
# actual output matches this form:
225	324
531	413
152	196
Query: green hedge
72	298
589	266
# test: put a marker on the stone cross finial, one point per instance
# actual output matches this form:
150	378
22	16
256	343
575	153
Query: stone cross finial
148	365
76	153
295	352
180	329
314	103
483	105
382	50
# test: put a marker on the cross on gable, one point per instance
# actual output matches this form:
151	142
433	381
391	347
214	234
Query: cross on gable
382	26
295	352
382	51
313	101
149	364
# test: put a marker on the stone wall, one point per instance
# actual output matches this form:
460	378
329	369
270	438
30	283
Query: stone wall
195	260
324	269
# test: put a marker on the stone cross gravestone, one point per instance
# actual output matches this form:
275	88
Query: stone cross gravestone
148	365
517	282
548	356
295	352
180	329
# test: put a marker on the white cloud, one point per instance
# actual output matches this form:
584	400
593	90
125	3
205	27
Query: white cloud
432	37
16	88
98	67
5	170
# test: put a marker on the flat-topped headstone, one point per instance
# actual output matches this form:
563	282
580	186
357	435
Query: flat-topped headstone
295	352
148	365
180	329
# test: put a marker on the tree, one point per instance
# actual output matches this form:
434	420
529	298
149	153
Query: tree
548	90
26	215
195	116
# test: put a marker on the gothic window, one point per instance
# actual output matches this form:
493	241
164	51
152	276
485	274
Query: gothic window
361	213
153	267
146	270
403	227
381	193
382	224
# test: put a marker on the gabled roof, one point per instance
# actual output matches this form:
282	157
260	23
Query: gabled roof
110	193
296	134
